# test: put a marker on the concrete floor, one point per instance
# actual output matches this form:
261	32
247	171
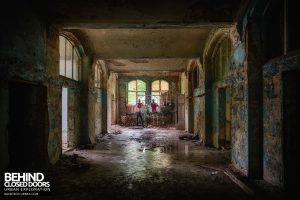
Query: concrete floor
144	164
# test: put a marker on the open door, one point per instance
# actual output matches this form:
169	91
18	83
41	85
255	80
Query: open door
180	112
28	126
291	131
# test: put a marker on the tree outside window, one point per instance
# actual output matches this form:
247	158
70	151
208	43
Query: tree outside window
136	90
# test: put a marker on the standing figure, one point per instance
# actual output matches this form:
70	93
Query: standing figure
153	106
139	110
154	110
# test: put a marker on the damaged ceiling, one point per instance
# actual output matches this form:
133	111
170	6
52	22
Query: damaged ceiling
142	34
135	65
144	43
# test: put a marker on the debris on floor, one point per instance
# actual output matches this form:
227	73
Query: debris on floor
189	137
116	132
110	136
73	161
87	146
100	138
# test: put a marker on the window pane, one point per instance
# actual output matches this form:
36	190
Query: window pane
156	99
155	86
132	98
141	93
75	65
62	67
132	86
163	92
142	98
69	68
141	85
155	93
62	50
69	59
164	85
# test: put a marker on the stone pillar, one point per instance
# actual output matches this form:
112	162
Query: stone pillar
190	104
84	101
255	101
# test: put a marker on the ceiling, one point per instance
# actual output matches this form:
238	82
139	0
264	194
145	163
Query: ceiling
144	35
141	13
150	65
144	43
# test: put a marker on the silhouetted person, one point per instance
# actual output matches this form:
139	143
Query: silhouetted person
153	106
139	110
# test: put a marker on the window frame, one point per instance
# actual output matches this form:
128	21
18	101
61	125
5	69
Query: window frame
63	56
136	91
159	91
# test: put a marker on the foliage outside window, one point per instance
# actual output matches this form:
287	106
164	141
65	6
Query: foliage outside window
136	90
69	62
158	89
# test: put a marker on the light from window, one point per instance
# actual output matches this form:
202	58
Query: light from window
136	90
69	62
158	88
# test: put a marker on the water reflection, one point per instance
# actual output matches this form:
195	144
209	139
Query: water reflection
186	149
140	161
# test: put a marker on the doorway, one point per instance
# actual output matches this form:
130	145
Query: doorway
228	119
28	126
222	117
64	118
291	127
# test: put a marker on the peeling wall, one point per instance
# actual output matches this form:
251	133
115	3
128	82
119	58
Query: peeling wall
97	101
27	54
184	91
55	84
272	115
239	116
225	67
111	100
199	118
199	103
23	55
30	52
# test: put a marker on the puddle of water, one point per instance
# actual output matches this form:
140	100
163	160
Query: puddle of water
175	147
186	149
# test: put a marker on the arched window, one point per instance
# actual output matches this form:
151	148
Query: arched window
69	62
136	90
159	88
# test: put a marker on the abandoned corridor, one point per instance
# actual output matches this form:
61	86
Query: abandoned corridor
218	82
